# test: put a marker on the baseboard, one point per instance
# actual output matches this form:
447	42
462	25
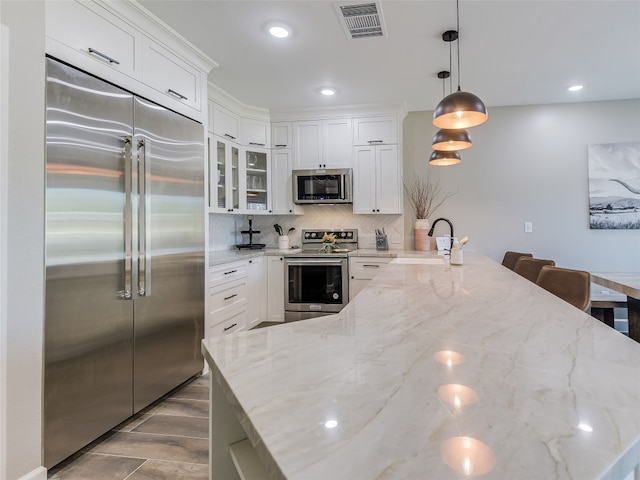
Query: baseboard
39	473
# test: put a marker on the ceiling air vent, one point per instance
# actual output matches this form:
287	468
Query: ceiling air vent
361	20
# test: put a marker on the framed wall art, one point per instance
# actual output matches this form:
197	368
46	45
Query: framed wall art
614	185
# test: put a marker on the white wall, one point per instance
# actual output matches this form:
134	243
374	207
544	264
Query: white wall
25	240
529	163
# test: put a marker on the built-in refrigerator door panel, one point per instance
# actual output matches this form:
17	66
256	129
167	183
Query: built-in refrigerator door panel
169	303
88	346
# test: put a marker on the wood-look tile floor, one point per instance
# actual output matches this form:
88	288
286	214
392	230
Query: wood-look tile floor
169	440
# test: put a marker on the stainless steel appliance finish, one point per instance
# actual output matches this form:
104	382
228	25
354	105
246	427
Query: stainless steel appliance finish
317	283
124	306
322	186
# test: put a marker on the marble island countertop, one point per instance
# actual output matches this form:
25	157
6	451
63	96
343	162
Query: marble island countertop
435	371
217	257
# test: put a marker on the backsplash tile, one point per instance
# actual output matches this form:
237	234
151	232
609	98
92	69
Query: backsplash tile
224	229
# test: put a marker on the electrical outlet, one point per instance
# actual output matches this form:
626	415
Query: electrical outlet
528	227
395	238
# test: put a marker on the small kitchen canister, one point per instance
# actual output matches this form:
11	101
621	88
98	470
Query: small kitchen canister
283	242
456	256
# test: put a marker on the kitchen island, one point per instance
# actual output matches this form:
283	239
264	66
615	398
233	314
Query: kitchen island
432	371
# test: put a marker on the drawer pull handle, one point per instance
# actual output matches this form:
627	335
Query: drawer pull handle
375	141
230	271
230	327
257	144
280	145
370	266
102	55
229	136
176	94
231	296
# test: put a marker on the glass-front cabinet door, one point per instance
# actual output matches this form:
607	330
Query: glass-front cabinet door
257	179
224	195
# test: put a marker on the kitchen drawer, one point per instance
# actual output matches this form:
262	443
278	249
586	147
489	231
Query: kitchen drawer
227	295
233	320
89	29
365	268
227	272
165	72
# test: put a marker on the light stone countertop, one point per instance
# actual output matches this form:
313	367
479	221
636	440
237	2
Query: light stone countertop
553	392
217	257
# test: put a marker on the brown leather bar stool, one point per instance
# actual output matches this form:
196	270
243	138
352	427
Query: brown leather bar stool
573	286
529	268
510	258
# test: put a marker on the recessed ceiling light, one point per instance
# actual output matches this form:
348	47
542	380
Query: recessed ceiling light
575	88
279	30
328	91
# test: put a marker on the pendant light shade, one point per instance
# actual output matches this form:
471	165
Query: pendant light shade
440	158
460	110
449	140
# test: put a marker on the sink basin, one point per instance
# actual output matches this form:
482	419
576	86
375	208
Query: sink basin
419	260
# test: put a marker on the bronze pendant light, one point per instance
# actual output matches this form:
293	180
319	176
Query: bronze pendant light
441	159
441	156
450	140
459	109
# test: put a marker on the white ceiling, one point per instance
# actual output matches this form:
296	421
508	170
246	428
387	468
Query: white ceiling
512	52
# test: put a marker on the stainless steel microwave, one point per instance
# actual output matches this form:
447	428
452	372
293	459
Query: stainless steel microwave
322	186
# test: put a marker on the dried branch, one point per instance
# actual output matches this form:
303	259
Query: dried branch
425	195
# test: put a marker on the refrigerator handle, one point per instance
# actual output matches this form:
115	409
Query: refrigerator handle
128	239
143	290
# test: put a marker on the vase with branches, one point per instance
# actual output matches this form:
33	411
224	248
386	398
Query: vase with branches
425	196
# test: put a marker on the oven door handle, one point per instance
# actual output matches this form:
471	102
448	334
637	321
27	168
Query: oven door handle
314	261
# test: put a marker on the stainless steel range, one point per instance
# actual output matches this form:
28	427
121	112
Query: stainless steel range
316	281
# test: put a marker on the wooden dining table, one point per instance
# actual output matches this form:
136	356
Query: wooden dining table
629	284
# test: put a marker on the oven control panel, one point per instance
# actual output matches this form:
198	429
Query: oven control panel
341	235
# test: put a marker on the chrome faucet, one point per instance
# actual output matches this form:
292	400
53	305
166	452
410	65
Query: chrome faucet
433	226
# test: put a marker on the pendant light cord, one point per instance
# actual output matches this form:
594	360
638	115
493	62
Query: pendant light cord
450	74
458	27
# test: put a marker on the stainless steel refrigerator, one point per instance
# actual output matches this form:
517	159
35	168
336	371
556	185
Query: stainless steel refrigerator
124	256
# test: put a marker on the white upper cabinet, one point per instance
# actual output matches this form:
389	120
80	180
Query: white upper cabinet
320	144
90	30
170	75
121	43
255	185
375	130
337	143
307	138
282	135
281	183
226	123
376	182
255	133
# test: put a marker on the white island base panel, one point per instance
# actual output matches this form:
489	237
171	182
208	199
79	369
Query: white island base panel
432	371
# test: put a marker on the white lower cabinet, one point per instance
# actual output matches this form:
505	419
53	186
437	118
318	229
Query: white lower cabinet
238	296
229	321
256	292
227	299
275	288
362	270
